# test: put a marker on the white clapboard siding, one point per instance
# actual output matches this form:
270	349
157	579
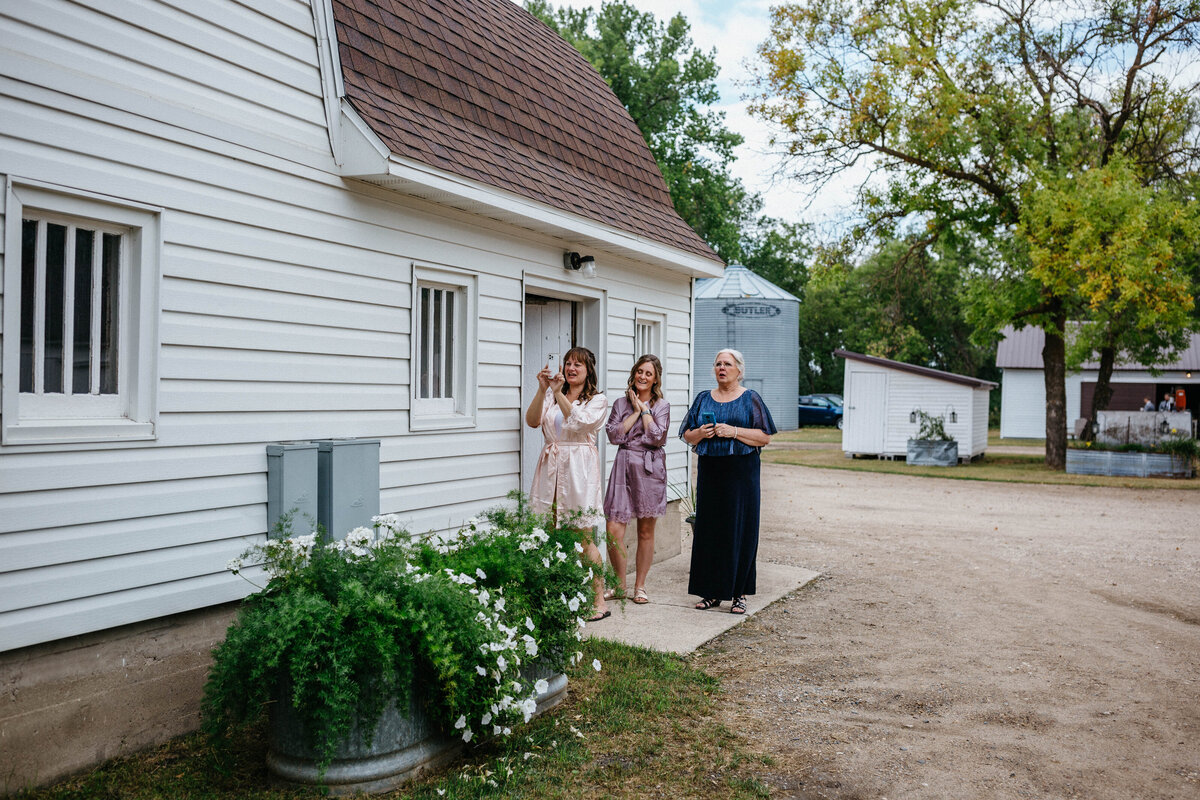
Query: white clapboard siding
270	94
40	472
57	509
78	579
96	612
27	550
224	364
285	307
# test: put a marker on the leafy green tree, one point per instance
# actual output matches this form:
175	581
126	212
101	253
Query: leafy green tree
667	85
956	103
1121	248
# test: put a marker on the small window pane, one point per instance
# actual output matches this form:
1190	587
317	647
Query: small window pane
110	267
56	245
423	348
449	389
437	340
81	376
29	299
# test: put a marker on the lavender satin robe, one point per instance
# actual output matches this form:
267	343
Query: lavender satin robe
567	475
637	487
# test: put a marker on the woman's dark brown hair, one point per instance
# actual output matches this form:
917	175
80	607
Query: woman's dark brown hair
591	381
656	393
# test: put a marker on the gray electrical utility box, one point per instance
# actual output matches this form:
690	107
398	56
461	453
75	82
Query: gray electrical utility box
292	486
347	484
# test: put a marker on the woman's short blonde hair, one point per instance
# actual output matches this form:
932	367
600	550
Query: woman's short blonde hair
737	358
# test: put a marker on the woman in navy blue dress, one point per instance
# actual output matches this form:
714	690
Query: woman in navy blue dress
726	427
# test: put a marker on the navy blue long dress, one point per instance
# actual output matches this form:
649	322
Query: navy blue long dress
725	541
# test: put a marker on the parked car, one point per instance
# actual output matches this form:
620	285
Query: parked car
819	410
836	398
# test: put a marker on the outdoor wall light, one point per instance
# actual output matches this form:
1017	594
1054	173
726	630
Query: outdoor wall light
912	416
585	265
1163	427
952	414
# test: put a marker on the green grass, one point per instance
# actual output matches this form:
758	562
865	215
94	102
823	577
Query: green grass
1004	468
643	726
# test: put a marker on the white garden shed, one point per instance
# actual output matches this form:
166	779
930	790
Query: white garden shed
882	398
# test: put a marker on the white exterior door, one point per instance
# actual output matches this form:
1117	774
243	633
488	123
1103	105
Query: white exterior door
549	328
863	426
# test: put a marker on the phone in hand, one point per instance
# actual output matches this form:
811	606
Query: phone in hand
552	363
708	418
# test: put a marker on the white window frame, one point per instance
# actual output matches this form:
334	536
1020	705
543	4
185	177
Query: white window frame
650	326
131	414
458	410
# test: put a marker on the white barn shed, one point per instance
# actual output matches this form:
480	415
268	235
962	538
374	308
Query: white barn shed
278	221
1023	384
882	397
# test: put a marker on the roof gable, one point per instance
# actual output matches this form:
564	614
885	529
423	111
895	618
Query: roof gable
1022	349
926	372
484	90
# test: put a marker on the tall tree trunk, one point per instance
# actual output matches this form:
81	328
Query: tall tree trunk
1054	364
1104	390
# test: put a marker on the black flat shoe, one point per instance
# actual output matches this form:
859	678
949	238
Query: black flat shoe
598	617
707	603
738	606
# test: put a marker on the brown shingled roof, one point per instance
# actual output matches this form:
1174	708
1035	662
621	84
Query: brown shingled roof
484	90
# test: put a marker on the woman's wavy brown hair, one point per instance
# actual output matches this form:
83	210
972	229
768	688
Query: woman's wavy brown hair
591	381
656	392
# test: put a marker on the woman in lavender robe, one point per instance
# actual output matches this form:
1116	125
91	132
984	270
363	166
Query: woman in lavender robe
637	487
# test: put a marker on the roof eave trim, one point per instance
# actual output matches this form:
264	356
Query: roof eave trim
481	198
927	372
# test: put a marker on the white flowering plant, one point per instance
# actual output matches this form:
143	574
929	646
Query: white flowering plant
343	628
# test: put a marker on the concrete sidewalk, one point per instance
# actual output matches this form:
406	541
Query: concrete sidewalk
669	623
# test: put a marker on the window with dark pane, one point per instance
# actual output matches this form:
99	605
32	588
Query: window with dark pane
29	301
110	307
52	337
81	351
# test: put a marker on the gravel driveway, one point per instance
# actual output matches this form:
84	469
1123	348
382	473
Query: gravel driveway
972	640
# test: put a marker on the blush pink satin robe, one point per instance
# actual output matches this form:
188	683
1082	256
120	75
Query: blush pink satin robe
567	475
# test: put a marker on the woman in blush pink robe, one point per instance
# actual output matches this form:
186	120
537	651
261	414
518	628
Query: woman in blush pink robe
570	409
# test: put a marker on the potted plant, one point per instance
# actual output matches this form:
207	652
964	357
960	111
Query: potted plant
442	637
932	446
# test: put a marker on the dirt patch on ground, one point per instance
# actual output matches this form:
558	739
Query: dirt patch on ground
972	640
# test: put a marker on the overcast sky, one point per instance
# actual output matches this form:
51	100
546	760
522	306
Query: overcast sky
735	28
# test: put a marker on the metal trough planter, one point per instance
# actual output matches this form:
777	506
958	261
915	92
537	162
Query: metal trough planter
406	745
1129	464
932	453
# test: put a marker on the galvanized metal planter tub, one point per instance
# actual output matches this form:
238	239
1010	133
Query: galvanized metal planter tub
930	453
406	745
1135	465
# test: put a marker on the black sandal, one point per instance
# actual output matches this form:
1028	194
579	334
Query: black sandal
738	606
707	603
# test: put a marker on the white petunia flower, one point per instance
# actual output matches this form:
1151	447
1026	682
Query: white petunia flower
573	604
529	623
502	663
596	664
480	670
480	574
542	686
461	722
486	718
546	563
578	547
467	734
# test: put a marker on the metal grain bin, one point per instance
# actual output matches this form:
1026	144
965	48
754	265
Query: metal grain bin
747	312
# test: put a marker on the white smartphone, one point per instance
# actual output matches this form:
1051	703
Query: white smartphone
552	363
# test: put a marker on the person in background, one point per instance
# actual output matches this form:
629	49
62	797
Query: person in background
1148	405
726	427
637	486
1167	404
570	408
